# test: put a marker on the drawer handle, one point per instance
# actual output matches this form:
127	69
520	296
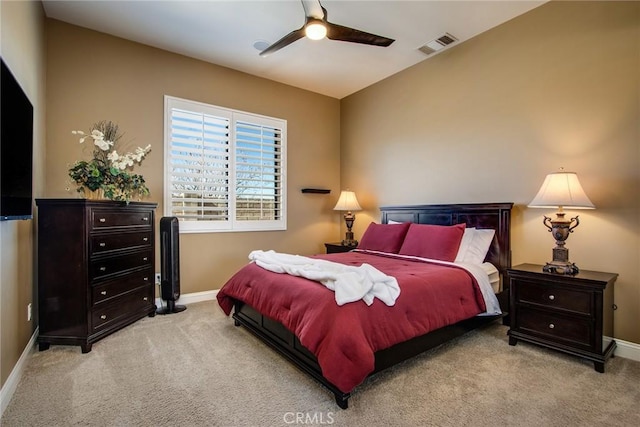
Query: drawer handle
551	326
552	297
145	299
145	239
102	220
103	292
145	218
103	268
145	258
146	279
103	317
102	244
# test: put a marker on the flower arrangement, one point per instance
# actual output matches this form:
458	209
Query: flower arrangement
108	171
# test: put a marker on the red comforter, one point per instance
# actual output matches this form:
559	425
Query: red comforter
344	338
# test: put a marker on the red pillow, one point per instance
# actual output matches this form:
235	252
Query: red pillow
433	241
384	237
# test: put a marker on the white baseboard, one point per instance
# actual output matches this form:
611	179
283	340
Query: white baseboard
9	387
191	298
628	350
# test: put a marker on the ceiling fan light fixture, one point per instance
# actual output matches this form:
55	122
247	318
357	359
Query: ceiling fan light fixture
315	30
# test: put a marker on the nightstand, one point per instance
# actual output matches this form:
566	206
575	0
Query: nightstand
569	313
337	247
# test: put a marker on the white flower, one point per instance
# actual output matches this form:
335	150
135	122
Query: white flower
102	144
113	156
118	161
96	134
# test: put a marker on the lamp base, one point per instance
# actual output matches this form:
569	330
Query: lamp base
561	267
561	263
349	240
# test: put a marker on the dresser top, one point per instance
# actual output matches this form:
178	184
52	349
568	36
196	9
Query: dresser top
88	202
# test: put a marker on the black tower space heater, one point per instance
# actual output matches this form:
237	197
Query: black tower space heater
170	265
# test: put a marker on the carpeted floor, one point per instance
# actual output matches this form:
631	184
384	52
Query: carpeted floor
196	369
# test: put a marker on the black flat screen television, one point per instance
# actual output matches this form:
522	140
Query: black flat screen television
16	153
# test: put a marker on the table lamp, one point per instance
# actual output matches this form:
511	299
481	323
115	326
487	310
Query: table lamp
561	190
348	202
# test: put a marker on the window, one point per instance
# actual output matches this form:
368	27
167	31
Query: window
225	170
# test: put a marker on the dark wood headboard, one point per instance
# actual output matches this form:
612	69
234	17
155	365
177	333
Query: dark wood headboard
479	215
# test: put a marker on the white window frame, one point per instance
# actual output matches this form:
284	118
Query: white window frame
232	224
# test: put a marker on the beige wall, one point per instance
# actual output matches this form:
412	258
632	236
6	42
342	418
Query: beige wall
487	120
94	76
22	44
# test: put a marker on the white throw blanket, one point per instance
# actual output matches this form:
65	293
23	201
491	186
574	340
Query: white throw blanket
349	283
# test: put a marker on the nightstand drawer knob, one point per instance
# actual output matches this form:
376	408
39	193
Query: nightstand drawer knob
102	220
552	297
103	317
145	299
551	326
103	268
145	239
103	293
146	218
103	244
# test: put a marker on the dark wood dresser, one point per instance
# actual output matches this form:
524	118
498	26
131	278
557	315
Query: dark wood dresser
570	313
95	268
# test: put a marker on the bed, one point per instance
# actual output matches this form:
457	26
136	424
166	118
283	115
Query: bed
255	316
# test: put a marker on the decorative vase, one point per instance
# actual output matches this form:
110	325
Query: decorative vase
94	195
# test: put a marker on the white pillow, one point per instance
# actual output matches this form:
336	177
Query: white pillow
393	222
467	237
474	245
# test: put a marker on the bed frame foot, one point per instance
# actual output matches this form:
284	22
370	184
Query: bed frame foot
342	400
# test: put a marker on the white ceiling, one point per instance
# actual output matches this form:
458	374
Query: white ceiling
223	32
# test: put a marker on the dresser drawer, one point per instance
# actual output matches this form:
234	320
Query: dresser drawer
571	330
105	218
551	296
121	308
101	268
106	291
102	243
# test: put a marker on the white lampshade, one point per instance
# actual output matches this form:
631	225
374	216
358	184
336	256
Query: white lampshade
347	202
315	30
561	189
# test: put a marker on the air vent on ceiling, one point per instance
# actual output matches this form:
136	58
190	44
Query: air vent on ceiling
437	44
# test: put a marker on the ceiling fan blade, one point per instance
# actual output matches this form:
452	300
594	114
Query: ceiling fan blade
285	41
313	9
346	34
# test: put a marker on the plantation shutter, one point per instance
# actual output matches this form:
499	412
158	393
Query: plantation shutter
225	170
258	162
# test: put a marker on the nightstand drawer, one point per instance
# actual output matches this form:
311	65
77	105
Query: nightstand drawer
549	295
555	327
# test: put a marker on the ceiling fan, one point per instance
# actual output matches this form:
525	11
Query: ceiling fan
317	27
